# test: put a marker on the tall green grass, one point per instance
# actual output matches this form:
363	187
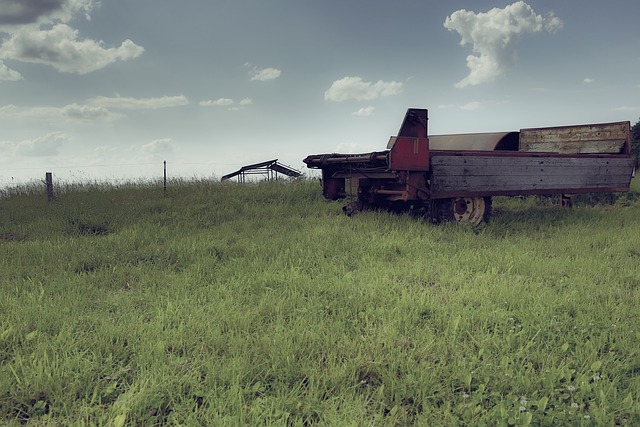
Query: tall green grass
261	304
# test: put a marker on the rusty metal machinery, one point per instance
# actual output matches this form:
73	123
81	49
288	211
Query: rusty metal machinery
453	177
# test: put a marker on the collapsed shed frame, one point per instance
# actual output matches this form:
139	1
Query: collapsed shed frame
269	170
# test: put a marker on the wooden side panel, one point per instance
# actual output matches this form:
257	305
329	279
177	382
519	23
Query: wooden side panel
587	139
486	175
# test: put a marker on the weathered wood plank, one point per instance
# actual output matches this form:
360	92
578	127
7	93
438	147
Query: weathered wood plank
597	138
501	183
499	162
528	174
578	147
470	170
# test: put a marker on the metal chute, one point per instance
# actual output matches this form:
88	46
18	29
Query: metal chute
491	141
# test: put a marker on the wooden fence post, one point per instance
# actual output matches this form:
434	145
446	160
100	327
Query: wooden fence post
49	183
165	178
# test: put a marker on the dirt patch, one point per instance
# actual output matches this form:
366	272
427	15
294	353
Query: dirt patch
8	236
89	228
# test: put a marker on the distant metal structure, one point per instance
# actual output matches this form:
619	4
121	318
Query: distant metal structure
269	170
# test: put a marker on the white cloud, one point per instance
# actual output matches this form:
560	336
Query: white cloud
355	88
6	147
348	148
44	146
38	33
61	48
366	111
470	106
68	112
7	73
105	149
494	35
265	75
588	80
540	89
227	102
220	102
158	146
14	111
88	112
129	103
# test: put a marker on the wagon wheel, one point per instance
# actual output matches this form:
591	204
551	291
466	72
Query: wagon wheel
471	210
464	210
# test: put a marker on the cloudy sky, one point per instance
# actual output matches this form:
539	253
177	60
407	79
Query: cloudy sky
110	89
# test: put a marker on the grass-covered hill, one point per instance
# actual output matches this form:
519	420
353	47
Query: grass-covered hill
261	304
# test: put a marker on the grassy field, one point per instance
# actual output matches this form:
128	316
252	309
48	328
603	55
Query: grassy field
261	304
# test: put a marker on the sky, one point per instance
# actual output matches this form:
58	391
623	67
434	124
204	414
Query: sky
111	89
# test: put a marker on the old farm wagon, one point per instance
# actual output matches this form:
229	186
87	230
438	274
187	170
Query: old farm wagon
453	177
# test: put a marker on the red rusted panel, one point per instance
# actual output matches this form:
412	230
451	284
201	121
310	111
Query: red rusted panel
415	123
409	154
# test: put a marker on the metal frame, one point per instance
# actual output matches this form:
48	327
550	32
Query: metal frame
269	169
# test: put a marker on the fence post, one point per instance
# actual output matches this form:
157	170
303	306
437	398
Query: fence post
165	178
49	183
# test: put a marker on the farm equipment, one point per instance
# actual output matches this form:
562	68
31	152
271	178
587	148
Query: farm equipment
453	177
